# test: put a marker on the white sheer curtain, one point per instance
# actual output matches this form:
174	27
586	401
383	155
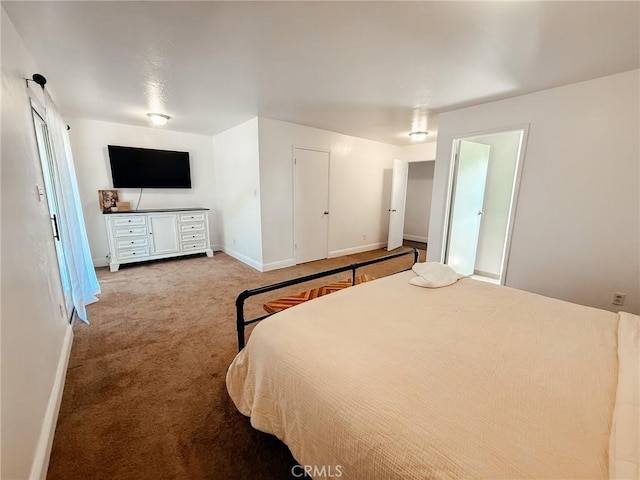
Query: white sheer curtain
84	284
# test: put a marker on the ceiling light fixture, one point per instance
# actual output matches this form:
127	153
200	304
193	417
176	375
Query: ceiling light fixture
418	136
158	118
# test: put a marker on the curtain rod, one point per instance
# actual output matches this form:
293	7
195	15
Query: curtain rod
42	81
39	79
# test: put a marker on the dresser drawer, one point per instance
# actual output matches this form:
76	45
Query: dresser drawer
191	227
191	217
129	231
193	246
132	242
126	221
133	253
191	237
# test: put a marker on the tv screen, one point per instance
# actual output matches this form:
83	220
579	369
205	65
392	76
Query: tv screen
146	168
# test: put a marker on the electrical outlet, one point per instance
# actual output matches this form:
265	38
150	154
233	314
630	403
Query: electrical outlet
618	298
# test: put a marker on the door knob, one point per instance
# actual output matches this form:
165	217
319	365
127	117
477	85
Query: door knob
480	212
326	213
392	210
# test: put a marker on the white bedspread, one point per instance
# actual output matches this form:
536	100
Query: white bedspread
473	380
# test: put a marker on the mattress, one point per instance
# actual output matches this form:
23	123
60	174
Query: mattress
386	380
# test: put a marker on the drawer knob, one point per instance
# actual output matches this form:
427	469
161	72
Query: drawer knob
133	242
193	227
129	221
133	253
130	231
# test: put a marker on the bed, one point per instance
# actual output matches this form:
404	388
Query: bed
386	380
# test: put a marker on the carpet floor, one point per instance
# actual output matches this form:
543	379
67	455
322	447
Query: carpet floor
145	394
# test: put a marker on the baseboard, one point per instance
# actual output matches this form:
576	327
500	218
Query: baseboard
243	258
267	267
495	276
360	249
100	262
216	248
415	238
43	450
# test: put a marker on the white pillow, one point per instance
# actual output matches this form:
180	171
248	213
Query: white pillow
433	275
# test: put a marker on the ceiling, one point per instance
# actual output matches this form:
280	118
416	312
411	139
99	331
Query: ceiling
367	69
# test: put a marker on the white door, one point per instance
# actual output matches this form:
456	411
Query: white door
398	203
311	205
466	206
50	186
163	233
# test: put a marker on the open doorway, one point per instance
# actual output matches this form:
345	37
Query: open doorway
482	201
418	205
410	207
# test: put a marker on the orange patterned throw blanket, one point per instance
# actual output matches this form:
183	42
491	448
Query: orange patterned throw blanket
293	300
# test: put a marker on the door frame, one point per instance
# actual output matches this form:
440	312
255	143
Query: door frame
455	146
293	194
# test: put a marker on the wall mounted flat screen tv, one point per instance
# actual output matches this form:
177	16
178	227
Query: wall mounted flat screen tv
146	168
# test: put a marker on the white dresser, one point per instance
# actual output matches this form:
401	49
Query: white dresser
143	235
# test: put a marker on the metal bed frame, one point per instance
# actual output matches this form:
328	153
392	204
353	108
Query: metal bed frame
241	323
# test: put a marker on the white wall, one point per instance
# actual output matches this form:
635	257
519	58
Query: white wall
576	230
359	189
418	206
89	141
237	187
503	158
420	152
33	329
